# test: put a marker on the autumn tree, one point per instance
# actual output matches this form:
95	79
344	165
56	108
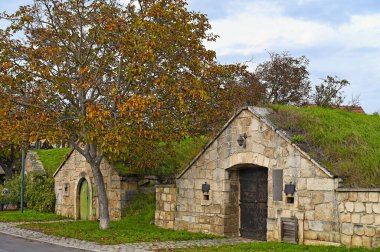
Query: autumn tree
113	79
285	79
329	92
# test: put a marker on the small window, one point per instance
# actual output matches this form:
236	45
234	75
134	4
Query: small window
277	185
66	189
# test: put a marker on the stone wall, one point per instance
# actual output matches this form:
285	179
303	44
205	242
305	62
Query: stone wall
359	215
33	163
69	177
165	206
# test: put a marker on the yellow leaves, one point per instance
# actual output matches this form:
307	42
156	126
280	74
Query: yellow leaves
84	70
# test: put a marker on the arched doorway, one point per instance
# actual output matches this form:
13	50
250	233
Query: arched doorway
253	203
84	200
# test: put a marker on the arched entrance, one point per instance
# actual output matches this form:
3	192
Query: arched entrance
253	203
84	200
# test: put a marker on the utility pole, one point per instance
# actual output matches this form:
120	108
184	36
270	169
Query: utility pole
23	159
22	178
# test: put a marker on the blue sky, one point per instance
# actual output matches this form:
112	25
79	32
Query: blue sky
339	37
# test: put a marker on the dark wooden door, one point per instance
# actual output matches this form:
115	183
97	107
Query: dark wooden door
254	203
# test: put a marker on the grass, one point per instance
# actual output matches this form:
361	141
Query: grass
275	246
135	227
52	158
344	142
27	216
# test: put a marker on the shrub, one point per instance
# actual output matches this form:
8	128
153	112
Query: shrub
10	192
39	193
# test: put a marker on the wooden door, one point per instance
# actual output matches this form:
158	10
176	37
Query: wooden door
254	203
84	199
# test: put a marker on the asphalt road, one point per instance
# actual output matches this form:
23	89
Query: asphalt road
15	244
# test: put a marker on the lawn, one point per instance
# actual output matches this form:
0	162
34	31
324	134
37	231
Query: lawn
273	247
344	142
52	158
135	227
27	216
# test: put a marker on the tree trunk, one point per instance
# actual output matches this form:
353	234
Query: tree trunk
102	196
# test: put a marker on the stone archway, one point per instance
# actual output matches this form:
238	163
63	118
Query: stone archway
253	202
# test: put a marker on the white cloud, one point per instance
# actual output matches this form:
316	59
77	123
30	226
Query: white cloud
349	49
261	26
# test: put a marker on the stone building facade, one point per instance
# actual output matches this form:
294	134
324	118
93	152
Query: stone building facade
76	195
252	181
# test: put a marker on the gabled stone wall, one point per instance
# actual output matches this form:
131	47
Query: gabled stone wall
321	211
69	177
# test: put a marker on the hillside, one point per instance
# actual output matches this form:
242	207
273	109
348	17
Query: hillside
346	143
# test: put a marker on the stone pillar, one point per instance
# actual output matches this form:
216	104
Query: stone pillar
166	200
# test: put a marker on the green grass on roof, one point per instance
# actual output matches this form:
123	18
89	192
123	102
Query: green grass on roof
52	158
346	143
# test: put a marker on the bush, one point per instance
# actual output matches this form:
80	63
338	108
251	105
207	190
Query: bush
10	192
39	192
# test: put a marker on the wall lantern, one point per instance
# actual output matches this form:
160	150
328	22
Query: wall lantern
205	188
290	189
242	140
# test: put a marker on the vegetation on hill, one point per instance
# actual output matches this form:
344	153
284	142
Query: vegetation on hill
52	158
174	158
346	143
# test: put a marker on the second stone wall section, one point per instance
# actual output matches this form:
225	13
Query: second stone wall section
166	200
359	215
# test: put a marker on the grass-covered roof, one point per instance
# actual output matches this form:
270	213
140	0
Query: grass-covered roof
52	158
346	143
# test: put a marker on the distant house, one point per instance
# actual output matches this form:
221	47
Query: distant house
41	144
76	194
253	181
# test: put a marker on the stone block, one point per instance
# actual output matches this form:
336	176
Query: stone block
318	197
353	196
359	230
368	208
363	196
341	207
357	241
315	184
359	207
345	217
376	208
370	232
377	220
373	197
310	235
346	240
367	219
316	225
367	242
355	218
324	212
347	228
309	215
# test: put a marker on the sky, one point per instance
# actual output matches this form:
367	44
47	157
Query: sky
339	37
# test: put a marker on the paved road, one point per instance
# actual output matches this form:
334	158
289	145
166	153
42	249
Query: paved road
15	244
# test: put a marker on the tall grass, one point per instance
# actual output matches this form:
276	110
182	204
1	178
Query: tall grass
346	143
